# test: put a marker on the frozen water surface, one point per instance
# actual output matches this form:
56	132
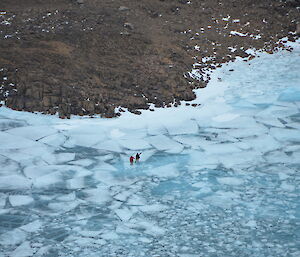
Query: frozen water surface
221	179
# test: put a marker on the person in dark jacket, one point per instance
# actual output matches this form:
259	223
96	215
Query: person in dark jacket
137	157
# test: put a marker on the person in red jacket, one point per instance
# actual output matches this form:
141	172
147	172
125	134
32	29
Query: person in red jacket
131	159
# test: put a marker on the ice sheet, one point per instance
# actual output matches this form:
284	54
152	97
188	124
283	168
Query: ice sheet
124	214
98	195
14	182
17	200
9	141
211	178
164	143
23	250
169	170
32	226
32	132
13	237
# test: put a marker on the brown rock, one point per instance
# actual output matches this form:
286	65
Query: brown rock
83	56
64	111
298	29
46	101
37	93
52	111
30	104
55	100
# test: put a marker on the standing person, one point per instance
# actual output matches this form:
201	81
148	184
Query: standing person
137	157
131	159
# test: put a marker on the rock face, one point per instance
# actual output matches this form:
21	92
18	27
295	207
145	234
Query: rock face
298	29
92	56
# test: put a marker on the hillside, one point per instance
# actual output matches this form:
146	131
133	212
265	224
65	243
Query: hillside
90	56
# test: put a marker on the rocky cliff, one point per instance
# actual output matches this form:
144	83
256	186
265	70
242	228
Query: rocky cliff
91	56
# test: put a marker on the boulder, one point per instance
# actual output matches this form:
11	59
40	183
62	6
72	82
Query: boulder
46	101
89	106
64	111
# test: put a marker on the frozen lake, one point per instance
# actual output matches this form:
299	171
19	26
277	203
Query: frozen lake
221	179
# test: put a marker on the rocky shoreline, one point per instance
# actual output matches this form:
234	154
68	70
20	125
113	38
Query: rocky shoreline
89	57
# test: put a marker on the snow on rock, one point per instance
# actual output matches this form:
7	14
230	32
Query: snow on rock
236	33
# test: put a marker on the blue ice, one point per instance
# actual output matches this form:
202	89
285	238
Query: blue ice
221	179
290	95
